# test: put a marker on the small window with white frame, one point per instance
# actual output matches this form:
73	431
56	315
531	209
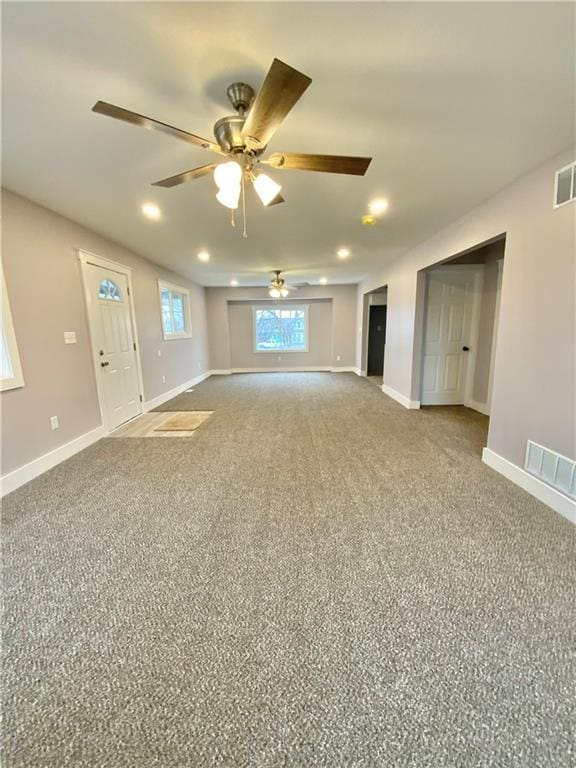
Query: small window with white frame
565	186
175	311
10	368
280	328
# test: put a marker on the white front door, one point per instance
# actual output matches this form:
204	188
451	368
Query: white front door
447	334
113	344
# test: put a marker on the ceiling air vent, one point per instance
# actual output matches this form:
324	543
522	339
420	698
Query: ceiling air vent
565	187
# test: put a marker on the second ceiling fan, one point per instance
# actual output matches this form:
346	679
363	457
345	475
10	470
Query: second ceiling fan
243	138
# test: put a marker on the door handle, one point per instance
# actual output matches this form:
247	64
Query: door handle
104	364
465	349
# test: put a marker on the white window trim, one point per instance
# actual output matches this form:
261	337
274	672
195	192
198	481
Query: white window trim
305	307
572	197
17	379
163	285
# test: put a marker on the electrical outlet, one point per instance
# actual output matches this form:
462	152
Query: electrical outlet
159	353
163	379
279	357
69	337
337	357
54	423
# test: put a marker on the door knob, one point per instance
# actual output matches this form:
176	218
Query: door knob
465	349
104	364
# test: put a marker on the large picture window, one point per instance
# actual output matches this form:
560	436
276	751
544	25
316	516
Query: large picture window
175	307
10	369
280	329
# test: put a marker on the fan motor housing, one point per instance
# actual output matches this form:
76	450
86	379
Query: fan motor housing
241	95
228	133
228	130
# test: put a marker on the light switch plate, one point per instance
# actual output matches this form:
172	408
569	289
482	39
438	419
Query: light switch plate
69	337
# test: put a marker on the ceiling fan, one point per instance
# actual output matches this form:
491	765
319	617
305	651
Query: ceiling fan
278	288
243	138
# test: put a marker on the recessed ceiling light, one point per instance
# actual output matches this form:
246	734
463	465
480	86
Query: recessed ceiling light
151	211
233	283
378	206
204	256
343	253
323	280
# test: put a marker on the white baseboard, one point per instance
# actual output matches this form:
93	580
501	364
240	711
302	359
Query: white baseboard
42	464
480	407
358	372
400	398
285	369
543	492
149	405
345	369
292	369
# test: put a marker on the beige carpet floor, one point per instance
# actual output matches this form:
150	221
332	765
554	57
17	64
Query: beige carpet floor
343	585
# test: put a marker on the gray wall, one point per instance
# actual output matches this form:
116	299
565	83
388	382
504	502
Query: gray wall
534	377
340	344
42	271
242	353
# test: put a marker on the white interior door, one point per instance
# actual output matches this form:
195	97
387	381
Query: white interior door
447	335
113	344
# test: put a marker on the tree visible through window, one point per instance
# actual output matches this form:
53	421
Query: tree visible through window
109	290
281	329
175	305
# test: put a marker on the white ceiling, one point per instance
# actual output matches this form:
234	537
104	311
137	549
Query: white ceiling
453	101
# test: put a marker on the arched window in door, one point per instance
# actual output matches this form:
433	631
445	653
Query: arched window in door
109	290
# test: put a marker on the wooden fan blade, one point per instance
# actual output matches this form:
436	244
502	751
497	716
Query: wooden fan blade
356	166
280	91
110	110
180	178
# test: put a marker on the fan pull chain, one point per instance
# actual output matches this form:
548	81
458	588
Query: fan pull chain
232	220
245	233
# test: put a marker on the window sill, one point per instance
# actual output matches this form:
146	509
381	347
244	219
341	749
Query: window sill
176	337
281	351
13	383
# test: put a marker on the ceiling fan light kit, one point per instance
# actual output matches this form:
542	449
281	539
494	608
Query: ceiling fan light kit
244	136
278	289
228	178
229	197
266	188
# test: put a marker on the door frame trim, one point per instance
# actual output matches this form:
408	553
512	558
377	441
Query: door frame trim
474	332
88	259
500	267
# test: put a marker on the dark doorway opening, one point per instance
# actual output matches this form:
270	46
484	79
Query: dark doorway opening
376	340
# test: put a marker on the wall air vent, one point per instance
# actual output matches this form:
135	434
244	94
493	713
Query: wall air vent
551	468
565	187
